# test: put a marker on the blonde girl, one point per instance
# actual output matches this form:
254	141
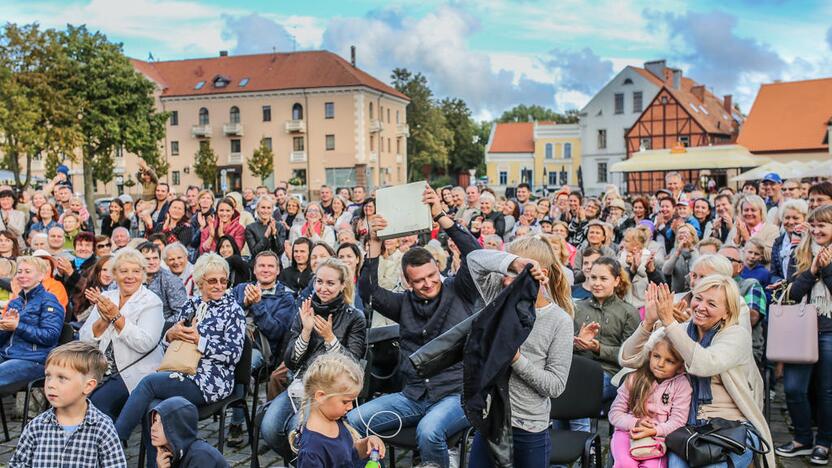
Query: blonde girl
330	385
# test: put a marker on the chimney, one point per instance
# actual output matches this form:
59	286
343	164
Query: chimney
223	53
352	55
677	78
656	67
699	92
728	103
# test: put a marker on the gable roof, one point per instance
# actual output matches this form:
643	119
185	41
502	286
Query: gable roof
789	116
265	72
513	137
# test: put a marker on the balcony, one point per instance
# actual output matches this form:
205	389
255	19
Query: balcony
375	126
403	129
235	158
201	131
235	129
297	157
295	126
399	159
373	156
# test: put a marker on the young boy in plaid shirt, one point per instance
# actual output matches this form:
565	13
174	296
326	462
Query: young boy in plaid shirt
73	432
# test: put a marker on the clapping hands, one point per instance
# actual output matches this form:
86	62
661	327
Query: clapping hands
586	338
9	320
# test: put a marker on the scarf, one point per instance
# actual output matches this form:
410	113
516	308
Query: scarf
701	385
313	229
330	308
820	295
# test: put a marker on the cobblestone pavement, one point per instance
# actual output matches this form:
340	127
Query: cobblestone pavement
241	457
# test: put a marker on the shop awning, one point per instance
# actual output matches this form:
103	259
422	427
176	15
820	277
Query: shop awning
700	157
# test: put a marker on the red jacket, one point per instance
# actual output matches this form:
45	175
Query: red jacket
234	229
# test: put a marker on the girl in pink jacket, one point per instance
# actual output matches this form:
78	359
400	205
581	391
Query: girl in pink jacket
653	402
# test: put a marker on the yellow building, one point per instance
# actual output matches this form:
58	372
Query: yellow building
542	154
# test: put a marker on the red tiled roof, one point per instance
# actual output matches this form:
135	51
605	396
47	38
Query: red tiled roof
789	117
265	72
513	137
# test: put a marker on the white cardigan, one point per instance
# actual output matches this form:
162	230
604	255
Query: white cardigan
143	326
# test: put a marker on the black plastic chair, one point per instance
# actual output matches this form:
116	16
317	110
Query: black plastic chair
242	379
67	335
580	399
406	439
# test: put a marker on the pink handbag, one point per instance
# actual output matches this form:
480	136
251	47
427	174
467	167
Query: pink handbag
647	448
792	332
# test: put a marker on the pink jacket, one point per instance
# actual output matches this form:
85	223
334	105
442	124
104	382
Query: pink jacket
668	416
234	229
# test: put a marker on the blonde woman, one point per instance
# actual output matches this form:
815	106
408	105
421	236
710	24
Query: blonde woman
684	253
751	222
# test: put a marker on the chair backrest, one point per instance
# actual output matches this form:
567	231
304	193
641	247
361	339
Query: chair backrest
242	373
67	334
582	396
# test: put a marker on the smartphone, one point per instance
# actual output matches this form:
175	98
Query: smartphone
190	319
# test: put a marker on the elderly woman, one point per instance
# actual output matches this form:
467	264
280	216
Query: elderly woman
30	325
487	203
175	257
717	355
217	327
751	223
126	324
792	217
314	227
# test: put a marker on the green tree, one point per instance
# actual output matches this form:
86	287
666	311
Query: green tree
430	138
205	164
116	109
261	162
467	150
535	113
38	112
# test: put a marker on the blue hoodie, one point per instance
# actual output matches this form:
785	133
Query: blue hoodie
39	329
179	419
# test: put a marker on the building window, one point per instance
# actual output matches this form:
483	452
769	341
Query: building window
174	148
234	115
628	81
567	151
174	118
527	176
553	178
267	142
340	177
372	143
267	113
297	144
503	178
549	154
602	172
602	139
371	111
297	112
638	102
619	103
388	145
203	116
646	143
684	140
397	117
235	146
564	177
330	142
329	110
203	145
381	113
398	146
388	115
174	177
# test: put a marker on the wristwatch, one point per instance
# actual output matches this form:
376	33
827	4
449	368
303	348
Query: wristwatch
441	214
115	319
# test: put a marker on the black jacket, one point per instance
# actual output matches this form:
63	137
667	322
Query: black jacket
496	334
420	320
295	280
179	420
257	241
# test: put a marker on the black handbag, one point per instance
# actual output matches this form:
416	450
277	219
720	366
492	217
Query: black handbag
713	442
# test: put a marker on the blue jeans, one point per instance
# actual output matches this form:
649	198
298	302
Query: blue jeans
237	416
280	419
151	389
742	460
110	397
434	421
15	371
531	449
796	379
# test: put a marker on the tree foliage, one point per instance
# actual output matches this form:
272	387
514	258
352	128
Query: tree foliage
536	113
205	164
467	149
261	162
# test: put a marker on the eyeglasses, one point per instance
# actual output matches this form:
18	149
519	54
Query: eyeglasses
101	246
217	281
734	260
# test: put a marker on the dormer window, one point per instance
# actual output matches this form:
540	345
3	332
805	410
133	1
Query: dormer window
628	81
243	82
221	81
199	85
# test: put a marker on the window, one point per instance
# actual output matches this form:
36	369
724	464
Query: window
567	151
174	148
372	143
243	82
381	113
564	177
330	142
602	139
203	117
527	176
174	177
267	142
174	118
619	103
340	177
602	172
397	116
221	82
203	144
267	113
553	178
371	110
503	178
329	110
549	154
388	115
297	112
297	144
199	85
234	115
628	81
684	140
235	146
388	145
638	102
646	143
398	146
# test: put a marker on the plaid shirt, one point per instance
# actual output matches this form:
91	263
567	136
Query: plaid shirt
95	443
755	297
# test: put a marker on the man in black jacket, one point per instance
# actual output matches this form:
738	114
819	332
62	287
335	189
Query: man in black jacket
428	309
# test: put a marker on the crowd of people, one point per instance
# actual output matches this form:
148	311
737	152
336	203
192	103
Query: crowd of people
668	292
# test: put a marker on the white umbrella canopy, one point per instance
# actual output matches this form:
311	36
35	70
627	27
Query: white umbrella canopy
786	170
814	169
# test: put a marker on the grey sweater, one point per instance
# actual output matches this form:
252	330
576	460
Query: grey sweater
545	356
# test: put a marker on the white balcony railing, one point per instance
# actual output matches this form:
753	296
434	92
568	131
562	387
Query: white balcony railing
373	156
235	158
233	129
297	156
297	126
399	159
201	131
375	126
403	129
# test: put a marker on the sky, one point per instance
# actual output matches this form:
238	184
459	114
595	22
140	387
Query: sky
494	54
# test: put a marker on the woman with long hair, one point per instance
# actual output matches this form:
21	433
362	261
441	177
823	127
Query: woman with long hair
641	209
239	269
702	212
292	214
47	218
175	227
9	248
99	277
115	218
224	223
314	227
361	223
